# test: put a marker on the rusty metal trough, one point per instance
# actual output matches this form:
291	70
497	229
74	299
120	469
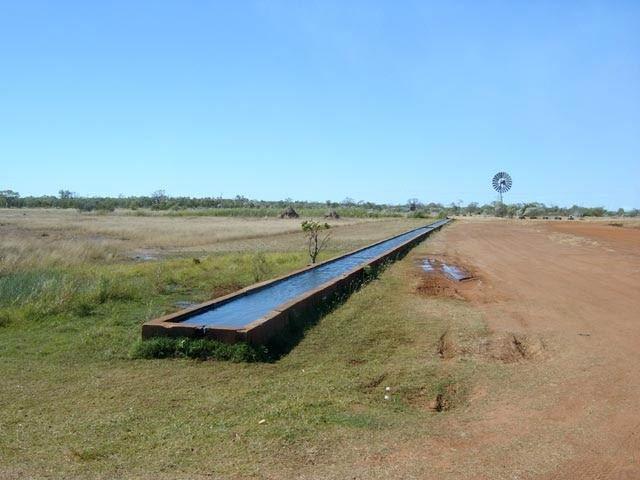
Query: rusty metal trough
256	313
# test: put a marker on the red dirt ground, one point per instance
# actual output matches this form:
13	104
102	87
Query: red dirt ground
574	413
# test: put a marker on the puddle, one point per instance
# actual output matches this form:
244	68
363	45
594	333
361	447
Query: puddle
427	266
144	256
454	272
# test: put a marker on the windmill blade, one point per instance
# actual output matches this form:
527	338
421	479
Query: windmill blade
501	182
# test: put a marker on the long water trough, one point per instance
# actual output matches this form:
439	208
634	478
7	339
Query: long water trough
256	313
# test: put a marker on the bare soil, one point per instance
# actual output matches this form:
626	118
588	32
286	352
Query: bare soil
562	305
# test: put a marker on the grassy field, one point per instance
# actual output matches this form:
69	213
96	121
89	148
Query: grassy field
75	404
41	238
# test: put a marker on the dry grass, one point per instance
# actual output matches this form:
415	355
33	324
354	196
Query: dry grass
47	237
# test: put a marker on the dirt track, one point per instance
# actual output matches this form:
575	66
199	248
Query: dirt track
572	412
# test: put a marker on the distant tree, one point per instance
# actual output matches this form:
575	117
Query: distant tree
487	209
158	198
576	211
534	209
348	202
500	209
66	194
512	210
316	242
241	200
620	212
473	208
413	204
8	198
595	212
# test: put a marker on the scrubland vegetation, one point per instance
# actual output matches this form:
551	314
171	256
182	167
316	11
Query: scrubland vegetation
84	398
81	398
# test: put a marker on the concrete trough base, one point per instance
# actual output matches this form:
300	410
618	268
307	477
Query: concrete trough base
289	316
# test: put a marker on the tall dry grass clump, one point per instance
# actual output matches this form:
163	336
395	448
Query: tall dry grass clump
26	253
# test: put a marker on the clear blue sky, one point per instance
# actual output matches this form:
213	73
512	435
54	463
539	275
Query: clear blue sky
377	101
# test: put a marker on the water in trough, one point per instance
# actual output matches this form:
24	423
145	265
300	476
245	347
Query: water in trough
243	310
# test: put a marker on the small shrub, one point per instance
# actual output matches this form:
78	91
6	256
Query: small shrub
158	347
160	281
109	288
371	273
315	241
200	349
83	307
243	352
260	267
6	318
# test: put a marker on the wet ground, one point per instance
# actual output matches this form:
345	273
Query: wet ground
443	267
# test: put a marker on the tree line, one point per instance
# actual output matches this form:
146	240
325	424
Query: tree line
241	205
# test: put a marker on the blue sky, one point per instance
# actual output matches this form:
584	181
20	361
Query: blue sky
377	101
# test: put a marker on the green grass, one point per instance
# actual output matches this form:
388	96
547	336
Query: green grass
201	349
107	303
77	403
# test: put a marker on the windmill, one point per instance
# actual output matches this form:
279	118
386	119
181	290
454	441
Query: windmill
501	183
